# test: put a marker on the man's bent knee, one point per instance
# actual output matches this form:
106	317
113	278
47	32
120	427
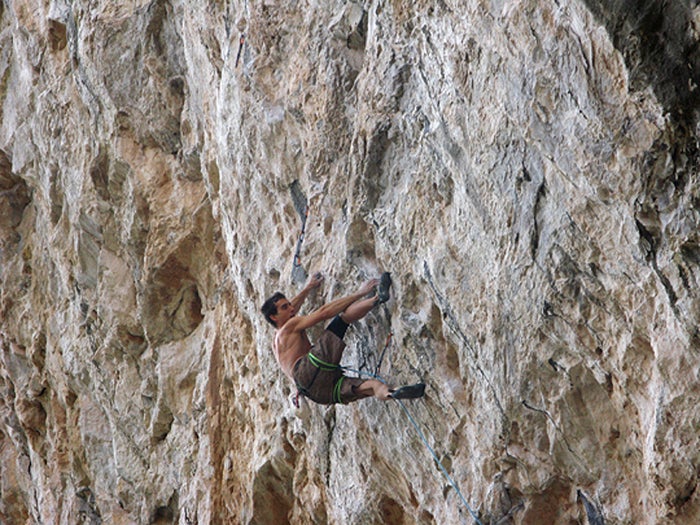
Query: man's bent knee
338	326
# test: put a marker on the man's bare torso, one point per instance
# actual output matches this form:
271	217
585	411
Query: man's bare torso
289	347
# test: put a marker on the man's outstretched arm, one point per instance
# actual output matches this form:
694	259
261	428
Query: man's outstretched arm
330	310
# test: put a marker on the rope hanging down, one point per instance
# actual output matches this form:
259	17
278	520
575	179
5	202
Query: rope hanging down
420	434
439	463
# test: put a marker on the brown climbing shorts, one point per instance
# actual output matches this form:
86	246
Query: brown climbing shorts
319	377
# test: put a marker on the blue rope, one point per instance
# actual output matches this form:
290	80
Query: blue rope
425	442
437	460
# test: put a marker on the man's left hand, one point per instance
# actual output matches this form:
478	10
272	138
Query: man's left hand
316	280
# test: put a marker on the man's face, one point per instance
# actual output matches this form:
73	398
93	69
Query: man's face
285	311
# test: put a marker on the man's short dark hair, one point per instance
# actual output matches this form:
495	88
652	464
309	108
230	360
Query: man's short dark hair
269	307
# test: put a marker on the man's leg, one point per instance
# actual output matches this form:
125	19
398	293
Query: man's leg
333	349
358	310
373	387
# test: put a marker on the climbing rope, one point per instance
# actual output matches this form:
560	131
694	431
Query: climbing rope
437	460
421	435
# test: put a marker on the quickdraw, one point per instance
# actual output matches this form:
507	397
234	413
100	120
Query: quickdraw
302	235
241	41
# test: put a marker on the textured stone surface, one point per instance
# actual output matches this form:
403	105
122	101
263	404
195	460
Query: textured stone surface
528	170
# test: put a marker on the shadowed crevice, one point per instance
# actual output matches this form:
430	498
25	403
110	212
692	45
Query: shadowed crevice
657	44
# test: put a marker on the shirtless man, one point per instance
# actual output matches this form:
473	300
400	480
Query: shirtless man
315	368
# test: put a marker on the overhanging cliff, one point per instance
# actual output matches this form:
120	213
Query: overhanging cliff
527	170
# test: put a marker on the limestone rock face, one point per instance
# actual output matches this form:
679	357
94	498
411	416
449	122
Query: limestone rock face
527	170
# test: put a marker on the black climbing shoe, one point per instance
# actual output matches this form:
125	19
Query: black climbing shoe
383	288
409	392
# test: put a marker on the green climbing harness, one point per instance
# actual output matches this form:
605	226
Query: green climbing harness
324	366
328	367
321	364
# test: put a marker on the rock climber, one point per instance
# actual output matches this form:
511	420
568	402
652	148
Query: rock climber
315	369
